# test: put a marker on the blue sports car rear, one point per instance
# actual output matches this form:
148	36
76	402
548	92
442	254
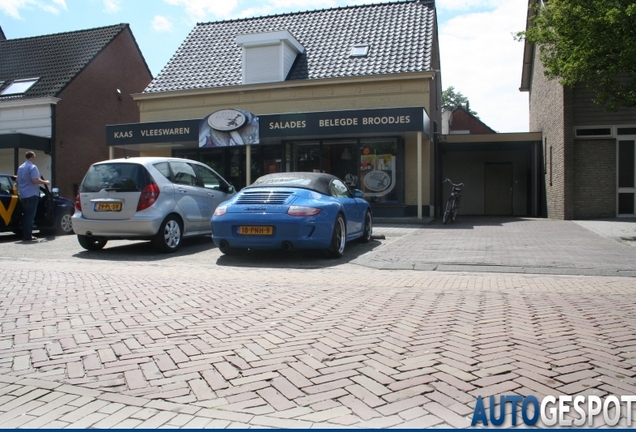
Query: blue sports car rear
293	211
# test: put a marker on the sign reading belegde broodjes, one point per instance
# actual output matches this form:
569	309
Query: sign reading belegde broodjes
344	122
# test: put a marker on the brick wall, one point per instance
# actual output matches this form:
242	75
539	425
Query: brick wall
464	121
595	179
90	102
548	115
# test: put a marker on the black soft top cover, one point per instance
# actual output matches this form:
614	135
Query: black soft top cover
318	182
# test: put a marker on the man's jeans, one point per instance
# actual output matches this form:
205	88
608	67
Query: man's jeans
29	207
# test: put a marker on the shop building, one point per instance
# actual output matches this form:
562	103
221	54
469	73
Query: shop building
57	94
353	91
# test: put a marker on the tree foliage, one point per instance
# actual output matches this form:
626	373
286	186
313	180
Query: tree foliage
591	42
452	99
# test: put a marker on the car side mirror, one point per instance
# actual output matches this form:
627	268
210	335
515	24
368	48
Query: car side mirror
358	193
55	191
230	189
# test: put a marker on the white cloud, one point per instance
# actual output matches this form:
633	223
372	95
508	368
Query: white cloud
466	5
112	6
161	24
204	10
207	10
12	7
481	60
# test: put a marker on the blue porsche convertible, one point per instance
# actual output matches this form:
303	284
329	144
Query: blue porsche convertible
294	210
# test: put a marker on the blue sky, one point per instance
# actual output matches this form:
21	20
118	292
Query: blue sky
479	56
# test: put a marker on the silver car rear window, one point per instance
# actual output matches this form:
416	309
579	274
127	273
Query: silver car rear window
123	177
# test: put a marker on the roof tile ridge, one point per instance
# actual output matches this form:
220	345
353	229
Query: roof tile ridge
285	14
121	25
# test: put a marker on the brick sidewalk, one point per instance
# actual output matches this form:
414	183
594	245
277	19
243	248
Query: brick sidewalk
512	245
119	343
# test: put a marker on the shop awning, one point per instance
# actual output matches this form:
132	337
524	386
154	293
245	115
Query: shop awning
25	141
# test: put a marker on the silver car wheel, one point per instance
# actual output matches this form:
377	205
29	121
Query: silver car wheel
65	225
172	234
343	239
168	239
338	238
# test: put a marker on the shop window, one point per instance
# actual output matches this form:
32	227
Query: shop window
214	159
308	158
368	165
378	171
272	159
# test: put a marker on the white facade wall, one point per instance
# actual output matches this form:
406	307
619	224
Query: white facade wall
31	118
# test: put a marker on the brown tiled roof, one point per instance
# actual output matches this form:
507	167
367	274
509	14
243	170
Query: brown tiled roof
400	37
55	59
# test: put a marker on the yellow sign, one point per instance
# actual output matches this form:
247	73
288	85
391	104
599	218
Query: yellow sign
6	213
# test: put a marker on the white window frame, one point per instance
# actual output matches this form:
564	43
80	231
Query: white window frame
620	190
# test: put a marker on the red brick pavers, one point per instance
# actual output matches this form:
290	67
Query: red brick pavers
119	343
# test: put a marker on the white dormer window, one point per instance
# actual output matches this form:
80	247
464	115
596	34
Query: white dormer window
361	50
268	57
19	86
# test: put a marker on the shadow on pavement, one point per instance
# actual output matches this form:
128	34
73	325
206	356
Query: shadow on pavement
295	258
125	250
143	251
470	222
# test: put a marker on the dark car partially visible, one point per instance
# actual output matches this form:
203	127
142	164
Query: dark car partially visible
54	214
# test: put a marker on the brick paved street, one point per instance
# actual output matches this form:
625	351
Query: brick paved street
127	337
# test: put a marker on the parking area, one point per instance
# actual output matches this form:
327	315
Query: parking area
405	331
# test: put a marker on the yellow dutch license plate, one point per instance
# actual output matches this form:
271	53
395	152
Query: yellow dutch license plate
106	207
256	230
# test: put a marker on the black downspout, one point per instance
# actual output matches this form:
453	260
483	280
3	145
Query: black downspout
52	146
16	159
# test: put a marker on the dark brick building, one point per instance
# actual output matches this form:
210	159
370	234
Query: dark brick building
588	152
57	94
461	121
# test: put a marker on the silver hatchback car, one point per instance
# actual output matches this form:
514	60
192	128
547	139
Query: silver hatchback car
160	199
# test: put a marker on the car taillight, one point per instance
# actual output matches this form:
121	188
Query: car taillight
78	203
148	196
302	211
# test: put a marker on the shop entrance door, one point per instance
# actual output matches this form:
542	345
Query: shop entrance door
498	189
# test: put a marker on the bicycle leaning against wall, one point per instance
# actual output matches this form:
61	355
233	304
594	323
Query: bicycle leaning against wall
453	201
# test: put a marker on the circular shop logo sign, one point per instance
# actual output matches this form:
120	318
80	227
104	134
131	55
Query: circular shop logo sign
226	120
377	181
